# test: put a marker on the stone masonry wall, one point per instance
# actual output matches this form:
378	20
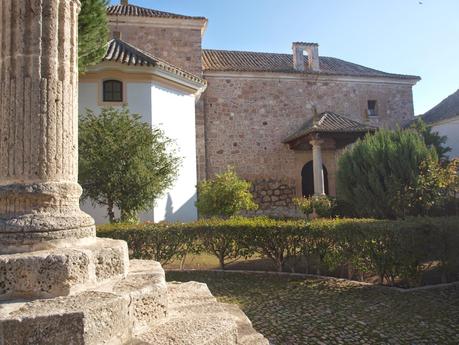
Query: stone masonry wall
180	47
248	118
270	193
274	198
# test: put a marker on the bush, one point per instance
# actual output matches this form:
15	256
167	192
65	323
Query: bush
322	205
224	196
393	174
159	242
124	162
396	251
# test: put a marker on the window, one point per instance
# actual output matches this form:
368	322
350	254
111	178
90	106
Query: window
113	91
372	108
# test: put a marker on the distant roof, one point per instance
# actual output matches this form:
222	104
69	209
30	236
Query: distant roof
446	109
243	61
137	11
329	122
126	54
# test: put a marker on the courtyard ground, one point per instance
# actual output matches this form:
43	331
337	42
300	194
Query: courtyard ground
290	310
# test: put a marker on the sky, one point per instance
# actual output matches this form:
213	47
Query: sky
417	37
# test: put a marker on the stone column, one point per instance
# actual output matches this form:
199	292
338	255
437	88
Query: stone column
319	187
39	192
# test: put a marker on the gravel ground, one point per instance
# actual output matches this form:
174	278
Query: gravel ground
312	311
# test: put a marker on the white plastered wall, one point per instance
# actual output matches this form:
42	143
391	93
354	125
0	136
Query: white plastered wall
450	128
174	112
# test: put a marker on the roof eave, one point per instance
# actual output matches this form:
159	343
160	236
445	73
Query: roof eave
197	86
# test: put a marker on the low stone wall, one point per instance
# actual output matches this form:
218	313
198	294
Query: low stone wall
274	198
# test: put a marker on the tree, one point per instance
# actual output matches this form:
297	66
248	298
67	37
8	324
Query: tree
224	196
432	139
92	32
384	175
124	162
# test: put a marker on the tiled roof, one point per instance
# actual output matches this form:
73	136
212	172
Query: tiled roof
137	11
126	54
241	61
446	109
329	122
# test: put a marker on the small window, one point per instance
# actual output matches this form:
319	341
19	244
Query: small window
372	104
113	91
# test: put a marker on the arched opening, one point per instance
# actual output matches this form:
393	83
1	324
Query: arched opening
307	179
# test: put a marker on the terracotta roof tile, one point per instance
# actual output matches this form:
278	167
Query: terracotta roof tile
241	61
124	53
329	122
137	11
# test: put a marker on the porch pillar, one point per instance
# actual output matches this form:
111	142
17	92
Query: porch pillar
319	187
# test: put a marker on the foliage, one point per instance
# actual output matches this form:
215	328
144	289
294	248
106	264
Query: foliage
160	242
124	162
322	205
378	175
394	250
92	32
224	196
436	187
432	139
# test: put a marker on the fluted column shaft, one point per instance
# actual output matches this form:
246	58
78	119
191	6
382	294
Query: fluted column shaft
39	193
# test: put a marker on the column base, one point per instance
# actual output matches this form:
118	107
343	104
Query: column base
36	212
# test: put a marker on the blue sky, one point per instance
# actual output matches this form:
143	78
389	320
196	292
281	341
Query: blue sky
400	36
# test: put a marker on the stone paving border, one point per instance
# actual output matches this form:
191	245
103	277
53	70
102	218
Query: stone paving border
314	276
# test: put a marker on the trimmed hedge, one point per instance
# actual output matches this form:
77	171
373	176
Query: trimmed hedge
394	250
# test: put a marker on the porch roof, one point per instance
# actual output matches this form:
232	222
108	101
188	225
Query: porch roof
329	123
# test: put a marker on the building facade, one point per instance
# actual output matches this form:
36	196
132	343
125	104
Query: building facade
281	120
444	119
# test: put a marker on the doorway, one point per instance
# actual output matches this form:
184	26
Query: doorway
307	179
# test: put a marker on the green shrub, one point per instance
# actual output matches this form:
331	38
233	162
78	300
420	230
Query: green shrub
396	251
392	174
123	162
159	242
322	205
224	196
224	239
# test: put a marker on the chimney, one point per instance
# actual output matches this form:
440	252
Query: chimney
312	50
124	2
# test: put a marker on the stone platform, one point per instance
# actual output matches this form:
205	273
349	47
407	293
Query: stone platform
133	310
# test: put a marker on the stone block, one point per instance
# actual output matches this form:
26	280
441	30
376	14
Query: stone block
90	318
200	319
111	314
62	270
146	290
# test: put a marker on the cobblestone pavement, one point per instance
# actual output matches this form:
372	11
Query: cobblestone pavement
311	311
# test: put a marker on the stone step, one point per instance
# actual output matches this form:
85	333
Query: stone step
62	269
112	314
196	318
246	334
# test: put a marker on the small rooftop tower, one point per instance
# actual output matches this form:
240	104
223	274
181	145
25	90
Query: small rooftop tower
312	50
